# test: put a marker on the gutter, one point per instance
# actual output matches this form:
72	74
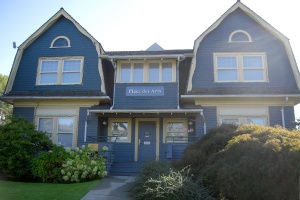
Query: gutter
282	111
146	56
106	111
177	76
204	122
115	78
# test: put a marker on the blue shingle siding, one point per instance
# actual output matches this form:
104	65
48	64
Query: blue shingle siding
80	46
263	41
276	116
168	101
28	113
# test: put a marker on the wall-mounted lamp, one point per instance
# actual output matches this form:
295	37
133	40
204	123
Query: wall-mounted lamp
191	123
104	123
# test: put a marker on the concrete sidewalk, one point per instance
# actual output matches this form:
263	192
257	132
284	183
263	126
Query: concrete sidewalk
111	188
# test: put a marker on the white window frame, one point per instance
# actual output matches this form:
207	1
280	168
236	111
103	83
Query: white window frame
243	119
174	120
55	131
59	37
240	70
146	66
60	71
240	31
118	120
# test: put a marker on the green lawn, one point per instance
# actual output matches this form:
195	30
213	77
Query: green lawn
18	190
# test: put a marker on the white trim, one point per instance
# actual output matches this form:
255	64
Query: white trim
259	20
59	37
240	31
239	96
146	111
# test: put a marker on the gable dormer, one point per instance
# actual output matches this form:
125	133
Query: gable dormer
240	50
60	59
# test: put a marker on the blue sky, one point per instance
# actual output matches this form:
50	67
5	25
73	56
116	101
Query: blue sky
137	24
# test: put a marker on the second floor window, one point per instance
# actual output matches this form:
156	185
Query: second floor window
240	67
60	70
147	71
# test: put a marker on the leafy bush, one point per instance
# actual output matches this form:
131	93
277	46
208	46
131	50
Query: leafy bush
48	165
19	144
158	180
83	166
256	163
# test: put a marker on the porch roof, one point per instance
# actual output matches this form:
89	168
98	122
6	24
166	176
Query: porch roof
144	111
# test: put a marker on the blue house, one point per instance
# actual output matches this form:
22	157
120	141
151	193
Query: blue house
151	104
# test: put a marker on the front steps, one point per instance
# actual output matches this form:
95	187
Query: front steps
125	168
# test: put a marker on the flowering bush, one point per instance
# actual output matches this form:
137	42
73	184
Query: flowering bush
83	166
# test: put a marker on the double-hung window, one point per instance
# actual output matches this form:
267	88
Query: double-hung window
240	67
148	71
59	129
60	71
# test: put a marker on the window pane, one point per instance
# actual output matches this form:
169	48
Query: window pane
72	65
60	42
240	37
71	78
259	121
153	72
46	125
253	75
230	121
167	72
226	62
65	139
125	72
138	72
65	125
49	66
176	131
227	75
252	62
119	131
48	78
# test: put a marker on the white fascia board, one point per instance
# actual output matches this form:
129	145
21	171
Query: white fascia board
239	96
146	111
143	56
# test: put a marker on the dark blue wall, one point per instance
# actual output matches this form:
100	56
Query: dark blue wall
276	118
80	46
28	113
168	101
217	41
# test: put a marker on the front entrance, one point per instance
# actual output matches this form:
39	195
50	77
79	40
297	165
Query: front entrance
146	140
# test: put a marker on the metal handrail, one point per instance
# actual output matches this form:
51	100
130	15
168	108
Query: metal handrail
102	139
180	139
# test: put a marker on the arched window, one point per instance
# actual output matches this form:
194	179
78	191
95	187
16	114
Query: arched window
240	36
60	42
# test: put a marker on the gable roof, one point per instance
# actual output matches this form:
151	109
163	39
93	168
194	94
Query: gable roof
155	47
40	31
259	20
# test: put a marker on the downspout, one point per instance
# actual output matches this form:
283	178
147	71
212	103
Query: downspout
204	122
115	78
282	111
179	59
86	125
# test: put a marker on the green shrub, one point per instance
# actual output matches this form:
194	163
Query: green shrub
48	165
158	180
83	166
19	144
256	163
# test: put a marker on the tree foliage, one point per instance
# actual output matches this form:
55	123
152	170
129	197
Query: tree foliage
20	142
7	109
251	162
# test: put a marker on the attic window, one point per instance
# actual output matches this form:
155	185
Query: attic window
240	36
60	42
